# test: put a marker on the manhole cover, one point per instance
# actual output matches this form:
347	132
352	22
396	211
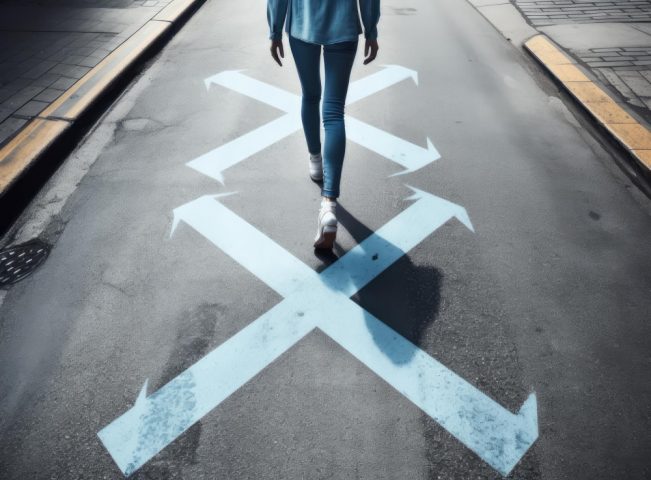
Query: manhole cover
20	260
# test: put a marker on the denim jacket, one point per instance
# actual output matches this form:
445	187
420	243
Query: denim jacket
323	21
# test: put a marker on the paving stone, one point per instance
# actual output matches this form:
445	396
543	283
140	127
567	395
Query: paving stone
37	71
637	82
31	108
90	61
84	50
609	64
45	80
48	95
585	12
47	45
73	59
21	97
64	83
72	71
4	113
5	94
9	127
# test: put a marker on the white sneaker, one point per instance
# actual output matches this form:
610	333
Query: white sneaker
316	167
327	225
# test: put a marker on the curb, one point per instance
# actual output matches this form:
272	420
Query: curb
628	132
30	146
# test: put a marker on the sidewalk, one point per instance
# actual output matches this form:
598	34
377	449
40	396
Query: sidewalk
59	60
612	38
46	46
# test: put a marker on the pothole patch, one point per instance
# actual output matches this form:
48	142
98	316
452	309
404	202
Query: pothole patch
19	261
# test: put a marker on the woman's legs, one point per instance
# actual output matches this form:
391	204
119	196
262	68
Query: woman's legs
307	57
338	61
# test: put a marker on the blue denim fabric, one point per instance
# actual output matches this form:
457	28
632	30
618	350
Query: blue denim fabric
323	21
338	61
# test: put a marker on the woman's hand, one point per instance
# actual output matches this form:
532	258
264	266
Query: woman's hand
277	46
372	47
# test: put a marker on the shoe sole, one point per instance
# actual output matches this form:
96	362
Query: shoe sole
316	179
326	240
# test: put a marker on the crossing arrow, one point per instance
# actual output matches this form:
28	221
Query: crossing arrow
410	156
283	100
321	301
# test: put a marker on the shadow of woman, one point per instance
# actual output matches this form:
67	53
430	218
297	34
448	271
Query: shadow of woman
405	297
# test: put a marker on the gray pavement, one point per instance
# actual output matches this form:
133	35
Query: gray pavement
550	12
46	46
549	294
611	38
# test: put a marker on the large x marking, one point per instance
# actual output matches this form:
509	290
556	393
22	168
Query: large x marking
410	156
321	301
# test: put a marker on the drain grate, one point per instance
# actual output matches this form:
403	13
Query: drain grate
20	260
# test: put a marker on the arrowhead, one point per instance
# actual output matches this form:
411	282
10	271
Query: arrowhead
435	155
213	79
179	211
529	417
438	202
211	170
426	158
142	396
406	71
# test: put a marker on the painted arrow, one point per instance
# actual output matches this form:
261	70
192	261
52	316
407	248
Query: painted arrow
320	301
388	76
496	435
269	94
283	100
400	151
410	156
214	162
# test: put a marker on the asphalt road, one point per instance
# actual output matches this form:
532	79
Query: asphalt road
549	295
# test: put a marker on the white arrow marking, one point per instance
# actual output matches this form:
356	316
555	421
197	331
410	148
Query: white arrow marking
256	252
499	437
400	151
216	161
377	81
410	156
157	420
390	242
274	96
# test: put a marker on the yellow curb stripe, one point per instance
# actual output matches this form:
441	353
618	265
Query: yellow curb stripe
587	92
79	97
174	10
609	112
644	156
541	43
629	132
22	150
633	135
568	73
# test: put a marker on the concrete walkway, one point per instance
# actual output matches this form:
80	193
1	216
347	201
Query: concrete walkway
45	47
611	38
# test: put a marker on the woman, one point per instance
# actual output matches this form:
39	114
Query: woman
335	25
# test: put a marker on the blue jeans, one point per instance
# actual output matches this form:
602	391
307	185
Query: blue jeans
338	60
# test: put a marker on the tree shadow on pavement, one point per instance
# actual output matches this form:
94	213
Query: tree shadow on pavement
405	297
